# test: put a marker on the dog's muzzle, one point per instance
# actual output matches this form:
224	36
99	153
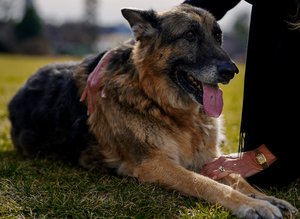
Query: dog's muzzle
226	71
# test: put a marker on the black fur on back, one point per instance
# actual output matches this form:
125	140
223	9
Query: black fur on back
46	115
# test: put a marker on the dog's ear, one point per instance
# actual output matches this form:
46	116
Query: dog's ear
144	24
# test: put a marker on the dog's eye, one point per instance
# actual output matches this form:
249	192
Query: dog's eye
190	35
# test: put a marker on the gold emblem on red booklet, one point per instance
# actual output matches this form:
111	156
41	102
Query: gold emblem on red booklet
261	159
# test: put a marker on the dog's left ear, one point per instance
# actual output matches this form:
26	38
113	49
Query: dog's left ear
144	24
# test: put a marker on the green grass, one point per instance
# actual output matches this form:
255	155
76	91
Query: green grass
47	189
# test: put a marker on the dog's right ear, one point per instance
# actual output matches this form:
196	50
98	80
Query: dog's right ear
144	24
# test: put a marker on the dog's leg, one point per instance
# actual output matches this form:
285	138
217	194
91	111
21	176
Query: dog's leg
163	170
240	184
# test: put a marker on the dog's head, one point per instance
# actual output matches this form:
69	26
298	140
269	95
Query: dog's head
183	46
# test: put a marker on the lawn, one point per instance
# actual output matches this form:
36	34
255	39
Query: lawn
47	189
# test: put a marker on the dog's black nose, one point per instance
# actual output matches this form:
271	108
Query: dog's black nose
226	70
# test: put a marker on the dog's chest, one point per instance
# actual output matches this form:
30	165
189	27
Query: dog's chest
195	145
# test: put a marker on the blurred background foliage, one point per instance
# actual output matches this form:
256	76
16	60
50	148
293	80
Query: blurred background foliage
24	31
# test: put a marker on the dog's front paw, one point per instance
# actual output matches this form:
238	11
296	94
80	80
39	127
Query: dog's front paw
286	208
259	209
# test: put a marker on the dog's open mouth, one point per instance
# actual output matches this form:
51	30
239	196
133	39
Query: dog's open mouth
210	96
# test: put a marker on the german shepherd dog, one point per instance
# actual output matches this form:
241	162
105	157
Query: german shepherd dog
160	120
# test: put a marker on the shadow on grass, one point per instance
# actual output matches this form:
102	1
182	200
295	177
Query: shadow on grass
44	188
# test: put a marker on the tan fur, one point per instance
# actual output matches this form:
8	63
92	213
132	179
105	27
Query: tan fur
149	129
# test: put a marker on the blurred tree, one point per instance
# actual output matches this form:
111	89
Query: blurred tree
241	27
30	26
90	23
235	40
29	33
91	11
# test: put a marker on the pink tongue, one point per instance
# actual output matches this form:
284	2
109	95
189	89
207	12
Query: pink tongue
212	100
